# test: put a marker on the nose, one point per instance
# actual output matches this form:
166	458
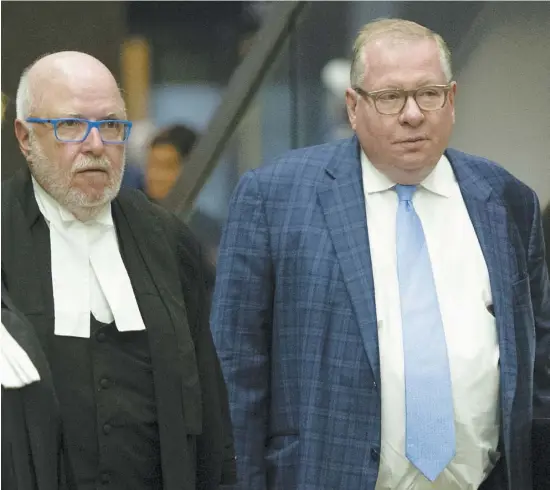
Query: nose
93	143
411	113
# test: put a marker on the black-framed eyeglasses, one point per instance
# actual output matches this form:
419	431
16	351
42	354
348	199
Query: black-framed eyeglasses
392	101
76	130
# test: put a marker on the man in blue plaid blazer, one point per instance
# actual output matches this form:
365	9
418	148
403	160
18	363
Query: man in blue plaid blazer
308	316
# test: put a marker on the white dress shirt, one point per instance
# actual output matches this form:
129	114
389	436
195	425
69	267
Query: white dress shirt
464	293
88	274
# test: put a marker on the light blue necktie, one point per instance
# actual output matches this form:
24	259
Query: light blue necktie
430	432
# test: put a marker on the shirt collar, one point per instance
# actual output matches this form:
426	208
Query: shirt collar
53	211
440	181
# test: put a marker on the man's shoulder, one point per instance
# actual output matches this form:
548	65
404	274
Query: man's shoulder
308	160
304	167
7	192
500	179
16	196
8	183
149	216
13	185
135	201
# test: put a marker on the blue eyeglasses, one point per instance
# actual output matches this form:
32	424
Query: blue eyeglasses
76	130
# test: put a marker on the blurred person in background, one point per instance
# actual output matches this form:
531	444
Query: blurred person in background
381	301
168	153
335	78
116	289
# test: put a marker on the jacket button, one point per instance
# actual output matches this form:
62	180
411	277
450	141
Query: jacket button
107	429
104	383
375	455
104	478
101	336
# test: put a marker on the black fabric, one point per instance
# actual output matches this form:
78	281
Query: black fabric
105	388
170	279
497	479
18	465
546	229
33	456
541	453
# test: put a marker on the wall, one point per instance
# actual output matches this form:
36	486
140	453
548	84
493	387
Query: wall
503	98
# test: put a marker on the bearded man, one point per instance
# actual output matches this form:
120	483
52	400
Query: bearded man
116	289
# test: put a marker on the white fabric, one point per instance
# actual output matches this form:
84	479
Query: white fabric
16	369
88	274
464	293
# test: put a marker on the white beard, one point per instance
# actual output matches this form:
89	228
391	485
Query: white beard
56	182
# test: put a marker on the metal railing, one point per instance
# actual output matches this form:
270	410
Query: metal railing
243	86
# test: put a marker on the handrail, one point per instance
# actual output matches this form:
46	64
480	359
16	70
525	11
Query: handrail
243	86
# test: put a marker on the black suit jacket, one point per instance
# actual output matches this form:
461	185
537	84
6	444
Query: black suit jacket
546	228
193	417
32	439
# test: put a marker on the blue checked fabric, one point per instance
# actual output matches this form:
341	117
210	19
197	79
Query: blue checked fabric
430	431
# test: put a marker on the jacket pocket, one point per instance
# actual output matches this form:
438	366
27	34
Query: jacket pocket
282	460
522	293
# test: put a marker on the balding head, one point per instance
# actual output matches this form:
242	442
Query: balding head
57	71
66	88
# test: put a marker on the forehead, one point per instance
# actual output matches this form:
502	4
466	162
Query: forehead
83	95
402	63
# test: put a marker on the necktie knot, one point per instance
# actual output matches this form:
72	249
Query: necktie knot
405	192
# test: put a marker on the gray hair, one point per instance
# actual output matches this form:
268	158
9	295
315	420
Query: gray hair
398	29
24	98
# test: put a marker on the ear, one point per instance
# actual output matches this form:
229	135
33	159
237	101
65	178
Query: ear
22	134
351	106
452	94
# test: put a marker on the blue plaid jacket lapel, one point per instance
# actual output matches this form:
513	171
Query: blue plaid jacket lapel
343	202
489	218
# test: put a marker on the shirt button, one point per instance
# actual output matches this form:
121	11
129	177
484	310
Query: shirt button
104	383
107	429
101	336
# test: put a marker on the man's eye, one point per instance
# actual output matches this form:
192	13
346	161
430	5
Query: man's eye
389	96
69	123
429	93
